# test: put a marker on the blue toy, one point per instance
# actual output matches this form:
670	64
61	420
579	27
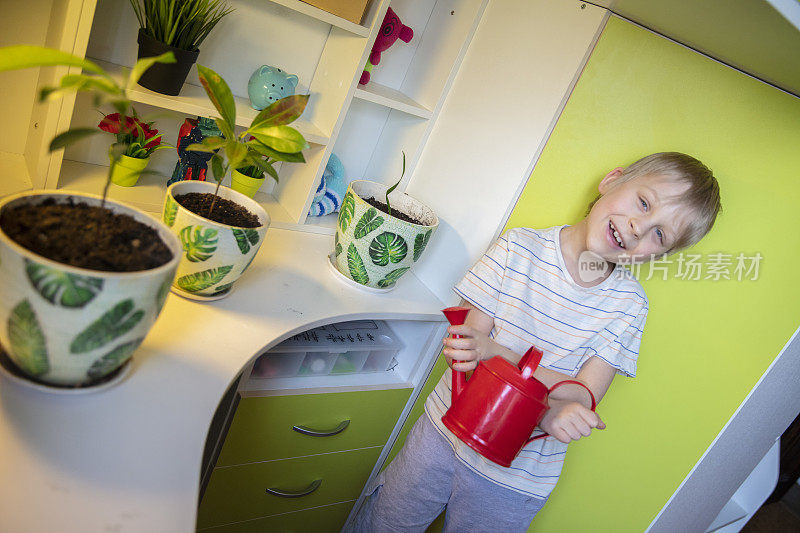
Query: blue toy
193	165
268	84
331	190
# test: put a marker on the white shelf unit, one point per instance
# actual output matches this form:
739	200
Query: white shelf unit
366	126
420	340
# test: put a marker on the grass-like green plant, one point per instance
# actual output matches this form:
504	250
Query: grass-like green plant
181	24
266	140
94	80
393	187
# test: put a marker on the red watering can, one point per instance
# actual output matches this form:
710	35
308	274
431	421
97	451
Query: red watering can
501	404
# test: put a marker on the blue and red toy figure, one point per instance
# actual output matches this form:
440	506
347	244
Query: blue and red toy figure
193	165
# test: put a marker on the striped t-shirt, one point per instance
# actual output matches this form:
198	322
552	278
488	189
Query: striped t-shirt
523	284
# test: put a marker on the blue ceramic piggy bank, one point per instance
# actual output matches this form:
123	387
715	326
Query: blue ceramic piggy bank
268	85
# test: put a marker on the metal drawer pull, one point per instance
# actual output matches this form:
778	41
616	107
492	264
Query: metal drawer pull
296	494
322	433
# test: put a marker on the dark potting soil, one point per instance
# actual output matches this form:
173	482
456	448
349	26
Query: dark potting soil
225	211
395	212
85	236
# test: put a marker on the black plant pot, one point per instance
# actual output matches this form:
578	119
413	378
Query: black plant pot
164	78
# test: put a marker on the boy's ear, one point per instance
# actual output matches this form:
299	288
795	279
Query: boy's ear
610	179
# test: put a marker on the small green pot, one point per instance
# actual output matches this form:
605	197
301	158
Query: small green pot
375	249
245	184
214	255
127	170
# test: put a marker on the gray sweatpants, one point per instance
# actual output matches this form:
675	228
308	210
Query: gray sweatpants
425	477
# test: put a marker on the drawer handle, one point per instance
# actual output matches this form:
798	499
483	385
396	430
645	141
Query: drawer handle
296	494
322	433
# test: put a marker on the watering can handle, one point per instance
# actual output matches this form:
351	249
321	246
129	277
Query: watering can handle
554	387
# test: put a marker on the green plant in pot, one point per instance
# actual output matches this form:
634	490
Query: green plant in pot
377	242
82	278
220	229
177	26
140	140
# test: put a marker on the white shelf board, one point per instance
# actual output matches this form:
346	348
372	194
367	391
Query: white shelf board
14	173
193	101
324	224
148	193
392	98
324	16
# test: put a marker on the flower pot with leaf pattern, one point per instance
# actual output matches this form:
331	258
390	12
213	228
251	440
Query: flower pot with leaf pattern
373	248
214	255
65	325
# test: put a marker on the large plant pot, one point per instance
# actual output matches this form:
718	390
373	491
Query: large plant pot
214	255
375	249
164	78
65	325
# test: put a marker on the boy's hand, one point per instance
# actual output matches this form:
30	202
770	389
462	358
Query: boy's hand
568	420
463	354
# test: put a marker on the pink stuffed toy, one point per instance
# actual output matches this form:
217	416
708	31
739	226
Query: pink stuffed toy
391	30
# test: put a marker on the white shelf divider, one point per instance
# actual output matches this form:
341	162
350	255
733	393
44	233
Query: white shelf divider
194	101
324	16
15	174
392	98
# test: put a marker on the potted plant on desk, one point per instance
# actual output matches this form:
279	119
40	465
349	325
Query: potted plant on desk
377	242
178	27
220	229
82	278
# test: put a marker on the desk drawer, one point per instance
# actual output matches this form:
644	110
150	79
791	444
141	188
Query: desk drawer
327	519
262	427
238	493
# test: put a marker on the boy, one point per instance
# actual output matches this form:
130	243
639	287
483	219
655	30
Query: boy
528	290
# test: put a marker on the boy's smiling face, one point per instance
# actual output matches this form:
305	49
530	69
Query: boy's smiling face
636	218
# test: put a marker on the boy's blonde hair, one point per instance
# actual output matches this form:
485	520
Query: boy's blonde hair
702	197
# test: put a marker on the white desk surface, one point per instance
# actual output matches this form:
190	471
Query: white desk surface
128	459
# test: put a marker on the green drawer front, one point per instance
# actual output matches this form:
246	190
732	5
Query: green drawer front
262	427
239	492
327	519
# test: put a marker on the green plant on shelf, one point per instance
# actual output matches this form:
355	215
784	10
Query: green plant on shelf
181	24
105	90
268	138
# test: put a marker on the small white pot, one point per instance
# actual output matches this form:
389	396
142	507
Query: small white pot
375	249
65	325
214	255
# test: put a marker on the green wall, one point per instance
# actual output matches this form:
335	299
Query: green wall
706	342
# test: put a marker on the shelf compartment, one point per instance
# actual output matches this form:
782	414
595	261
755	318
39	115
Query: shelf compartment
392	98
194	101
15	174
148	193
324	16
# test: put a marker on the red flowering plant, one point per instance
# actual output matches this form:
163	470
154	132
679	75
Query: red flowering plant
139	138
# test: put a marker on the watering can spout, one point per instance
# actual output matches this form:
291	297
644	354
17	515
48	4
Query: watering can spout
457	316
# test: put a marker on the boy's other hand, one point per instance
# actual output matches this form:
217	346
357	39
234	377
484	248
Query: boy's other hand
568	420
464	354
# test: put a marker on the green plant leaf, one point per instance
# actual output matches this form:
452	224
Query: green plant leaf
236	153
62	288
170	211
209	144
227	131
74	135
217	168
27	340
296	157
220	95
145	63
25	56
245	238
337	246
114	323
347	211
284	111
392	277
356	265
420	242
369	221
387	247
112	360
280	138
79	82
198	242
202	280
